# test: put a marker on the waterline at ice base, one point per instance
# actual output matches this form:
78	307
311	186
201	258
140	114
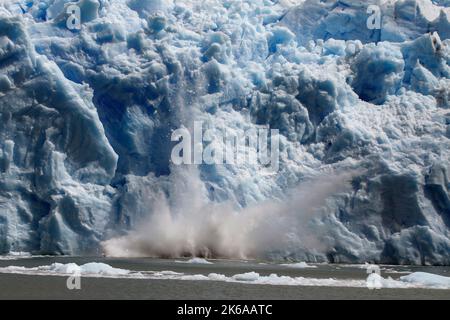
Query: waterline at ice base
353	98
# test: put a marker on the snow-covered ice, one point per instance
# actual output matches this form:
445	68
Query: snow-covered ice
86	117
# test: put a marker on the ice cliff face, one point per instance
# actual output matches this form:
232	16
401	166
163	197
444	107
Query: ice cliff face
86	117
55	158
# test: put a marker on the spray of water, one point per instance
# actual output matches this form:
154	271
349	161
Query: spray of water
193	226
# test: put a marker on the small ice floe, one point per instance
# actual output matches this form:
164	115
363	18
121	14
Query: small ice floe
299	265
88	269
429	280
195	261
249	276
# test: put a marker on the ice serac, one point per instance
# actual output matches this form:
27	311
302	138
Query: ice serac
363	116
55	161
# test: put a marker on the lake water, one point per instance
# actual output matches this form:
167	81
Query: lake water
158	286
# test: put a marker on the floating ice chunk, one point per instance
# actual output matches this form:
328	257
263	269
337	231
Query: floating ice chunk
217	277
196	261
194	277
299	265
59	268
249	276
427	279
102	268
92	268
85	269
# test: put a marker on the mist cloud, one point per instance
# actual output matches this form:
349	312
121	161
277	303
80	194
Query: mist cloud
193	226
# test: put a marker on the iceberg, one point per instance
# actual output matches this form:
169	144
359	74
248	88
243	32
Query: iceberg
94	269
86	117
427	279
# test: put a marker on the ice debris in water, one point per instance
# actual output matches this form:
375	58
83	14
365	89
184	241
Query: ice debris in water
196	261
92	268
101	270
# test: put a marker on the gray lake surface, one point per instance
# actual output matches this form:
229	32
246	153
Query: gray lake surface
23	286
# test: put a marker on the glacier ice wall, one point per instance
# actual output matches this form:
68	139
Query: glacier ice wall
86	117
56	162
